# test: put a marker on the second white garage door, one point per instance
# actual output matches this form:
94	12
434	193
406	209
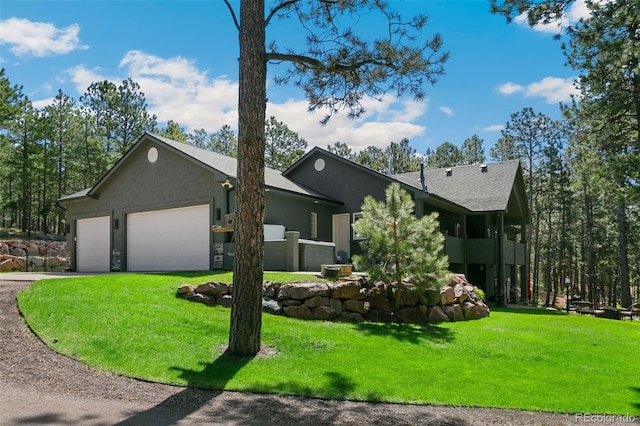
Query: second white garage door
169	240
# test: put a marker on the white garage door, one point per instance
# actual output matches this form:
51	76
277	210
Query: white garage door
169	240
93	244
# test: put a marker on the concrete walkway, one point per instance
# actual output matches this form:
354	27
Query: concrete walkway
35	276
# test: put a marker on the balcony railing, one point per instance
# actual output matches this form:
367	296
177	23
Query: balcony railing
483	250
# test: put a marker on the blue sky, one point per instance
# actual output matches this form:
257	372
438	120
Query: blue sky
184	56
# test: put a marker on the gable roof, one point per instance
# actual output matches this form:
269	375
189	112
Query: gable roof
211	160
365	169
478	188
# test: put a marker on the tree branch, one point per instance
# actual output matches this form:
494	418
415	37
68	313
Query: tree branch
233	14
277	9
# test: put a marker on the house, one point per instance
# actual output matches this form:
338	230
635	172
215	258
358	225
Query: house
156	208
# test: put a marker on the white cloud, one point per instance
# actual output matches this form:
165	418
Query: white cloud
175	89
494	128
578	10
39	39
447	111
553	89
83	77
510	88
375	128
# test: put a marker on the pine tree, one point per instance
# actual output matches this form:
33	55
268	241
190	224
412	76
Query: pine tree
397	244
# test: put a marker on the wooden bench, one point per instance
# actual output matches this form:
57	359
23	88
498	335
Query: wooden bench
630	312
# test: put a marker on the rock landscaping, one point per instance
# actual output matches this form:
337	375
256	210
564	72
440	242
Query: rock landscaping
355	300
18	255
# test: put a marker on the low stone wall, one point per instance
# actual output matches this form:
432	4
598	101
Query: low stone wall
19	255
353	300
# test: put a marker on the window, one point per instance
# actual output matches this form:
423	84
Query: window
356	217
314	225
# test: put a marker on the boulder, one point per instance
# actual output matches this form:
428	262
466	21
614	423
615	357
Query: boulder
470	311
336	304
4	249
302	291
447	295
412	314
409	296
20	264
325	313
352	317
471	291
225	300
54	262
316	301
6	265
456	279
18	252
483	310
381	316
348	290
271	306
269	289
186	288
460	293
300	312
430	297
436	314
203	298
379	302
213	289
357	306
291	302
454	312
32	249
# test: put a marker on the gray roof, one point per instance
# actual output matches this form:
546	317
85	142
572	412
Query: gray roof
229	165
470	186
76	195
221	163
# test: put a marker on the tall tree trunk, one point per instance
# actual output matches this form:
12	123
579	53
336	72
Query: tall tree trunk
536	259
26	182
246	309
547	267
625	284
591	261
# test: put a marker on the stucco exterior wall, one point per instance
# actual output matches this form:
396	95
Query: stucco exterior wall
171	181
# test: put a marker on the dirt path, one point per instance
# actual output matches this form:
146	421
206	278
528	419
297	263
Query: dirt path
39	386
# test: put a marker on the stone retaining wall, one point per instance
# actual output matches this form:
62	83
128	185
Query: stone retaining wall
353	300
20	255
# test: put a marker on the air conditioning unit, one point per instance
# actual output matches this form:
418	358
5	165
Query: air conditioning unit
230	220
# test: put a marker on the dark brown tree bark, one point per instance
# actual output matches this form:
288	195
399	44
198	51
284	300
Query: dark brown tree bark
625	284
246	309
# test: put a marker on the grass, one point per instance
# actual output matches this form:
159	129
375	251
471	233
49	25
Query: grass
134	325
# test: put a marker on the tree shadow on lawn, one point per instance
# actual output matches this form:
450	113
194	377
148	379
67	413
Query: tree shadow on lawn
257	408
411	333
637	404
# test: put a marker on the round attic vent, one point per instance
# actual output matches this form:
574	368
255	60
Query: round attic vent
152	154
319	164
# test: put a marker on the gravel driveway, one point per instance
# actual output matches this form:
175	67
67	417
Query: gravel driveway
39	386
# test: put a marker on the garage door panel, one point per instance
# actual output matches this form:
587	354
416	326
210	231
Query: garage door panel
169	240
93	244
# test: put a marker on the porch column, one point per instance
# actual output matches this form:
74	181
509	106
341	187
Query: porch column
293	251
501	297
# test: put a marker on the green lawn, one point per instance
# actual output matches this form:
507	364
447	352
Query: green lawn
133	324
